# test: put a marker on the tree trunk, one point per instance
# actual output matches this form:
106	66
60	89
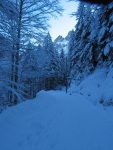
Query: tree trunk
15	57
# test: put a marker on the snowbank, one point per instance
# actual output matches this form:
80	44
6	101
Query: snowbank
21	125
97	87
56	121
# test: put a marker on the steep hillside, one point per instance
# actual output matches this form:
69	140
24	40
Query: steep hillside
97	87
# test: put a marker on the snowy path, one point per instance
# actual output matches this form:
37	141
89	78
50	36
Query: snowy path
56	121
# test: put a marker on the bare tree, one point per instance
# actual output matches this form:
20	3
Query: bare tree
22	21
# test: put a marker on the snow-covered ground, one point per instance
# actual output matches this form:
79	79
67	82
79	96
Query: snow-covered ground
56	121
97	87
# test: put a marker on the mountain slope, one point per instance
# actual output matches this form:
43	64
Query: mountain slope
61	43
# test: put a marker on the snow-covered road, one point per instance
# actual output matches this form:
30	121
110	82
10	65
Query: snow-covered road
56	121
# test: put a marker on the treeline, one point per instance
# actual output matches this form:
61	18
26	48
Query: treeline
22	23
43	67
91	44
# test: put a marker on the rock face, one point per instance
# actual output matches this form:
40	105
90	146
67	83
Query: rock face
61	43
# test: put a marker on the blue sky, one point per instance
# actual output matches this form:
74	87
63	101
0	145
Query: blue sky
63	24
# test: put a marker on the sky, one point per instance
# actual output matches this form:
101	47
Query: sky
63	24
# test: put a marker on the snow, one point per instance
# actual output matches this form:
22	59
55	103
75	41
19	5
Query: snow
56	121
61	43
106	50
101	33
111	29
97	86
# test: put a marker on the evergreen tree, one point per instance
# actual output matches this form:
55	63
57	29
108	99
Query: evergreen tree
52	63
92	45
21	21
30	71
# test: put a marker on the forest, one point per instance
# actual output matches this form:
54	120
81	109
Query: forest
56	94
29	60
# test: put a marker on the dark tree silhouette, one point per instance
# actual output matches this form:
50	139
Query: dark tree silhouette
104	2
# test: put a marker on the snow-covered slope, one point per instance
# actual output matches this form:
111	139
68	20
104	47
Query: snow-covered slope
56	121
97	87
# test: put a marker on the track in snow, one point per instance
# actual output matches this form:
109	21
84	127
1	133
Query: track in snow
56	121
